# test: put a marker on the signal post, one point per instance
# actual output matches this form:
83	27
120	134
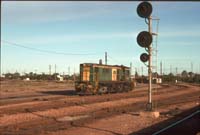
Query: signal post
144	39
149	105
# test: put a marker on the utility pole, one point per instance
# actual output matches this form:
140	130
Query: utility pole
191	67
55	71
176	75
161	68
35	71
69	70
142	75
164	69
106	60
136	72
49	69
24	73
142	70
131	68
55	68
170	68
74	75
199	68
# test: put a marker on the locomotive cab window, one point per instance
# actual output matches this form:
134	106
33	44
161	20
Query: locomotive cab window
86	73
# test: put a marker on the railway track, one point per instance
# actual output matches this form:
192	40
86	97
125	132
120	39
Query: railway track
179	126
53	95
59	102
122	105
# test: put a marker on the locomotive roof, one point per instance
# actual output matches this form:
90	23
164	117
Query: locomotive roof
95	64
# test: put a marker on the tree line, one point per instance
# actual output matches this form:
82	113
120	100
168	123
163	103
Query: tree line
34	76
185	76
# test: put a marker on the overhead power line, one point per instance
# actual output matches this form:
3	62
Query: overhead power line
45	51
113	58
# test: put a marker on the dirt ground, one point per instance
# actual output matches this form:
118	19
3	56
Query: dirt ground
42	107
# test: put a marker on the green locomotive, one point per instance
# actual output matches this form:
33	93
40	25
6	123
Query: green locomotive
99	79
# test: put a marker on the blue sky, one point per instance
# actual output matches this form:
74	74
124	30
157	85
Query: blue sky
93	28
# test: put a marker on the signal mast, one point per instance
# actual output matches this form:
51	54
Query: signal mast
144	39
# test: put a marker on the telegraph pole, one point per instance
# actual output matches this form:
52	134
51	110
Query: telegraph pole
192	67
131	68
74	75
35	71
142	70
55	68
55	71
161	68
105	58
49	69
69	70
170	68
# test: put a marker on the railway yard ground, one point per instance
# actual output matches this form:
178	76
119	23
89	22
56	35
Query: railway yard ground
53	108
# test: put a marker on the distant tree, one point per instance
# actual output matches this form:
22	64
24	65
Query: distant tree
8	76
136	74
196	78
184	74
191	74
171	74
155	74
54	76
16	75
169	78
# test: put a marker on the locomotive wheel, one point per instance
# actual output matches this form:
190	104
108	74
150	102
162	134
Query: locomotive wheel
103	90
126	88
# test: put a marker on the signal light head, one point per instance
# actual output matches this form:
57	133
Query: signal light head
144	39
144	9
144	57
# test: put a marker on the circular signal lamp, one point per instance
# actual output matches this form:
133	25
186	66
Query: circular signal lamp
144	57
144	39
144	9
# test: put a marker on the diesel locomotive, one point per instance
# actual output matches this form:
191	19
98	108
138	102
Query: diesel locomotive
100	79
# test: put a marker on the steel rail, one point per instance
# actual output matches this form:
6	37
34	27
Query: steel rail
176	123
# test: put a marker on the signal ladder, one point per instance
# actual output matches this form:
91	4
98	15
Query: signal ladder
154	57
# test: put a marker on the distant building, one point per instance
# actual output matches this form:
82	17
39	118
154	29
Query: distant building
60	78
27	79
157	80
3	76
